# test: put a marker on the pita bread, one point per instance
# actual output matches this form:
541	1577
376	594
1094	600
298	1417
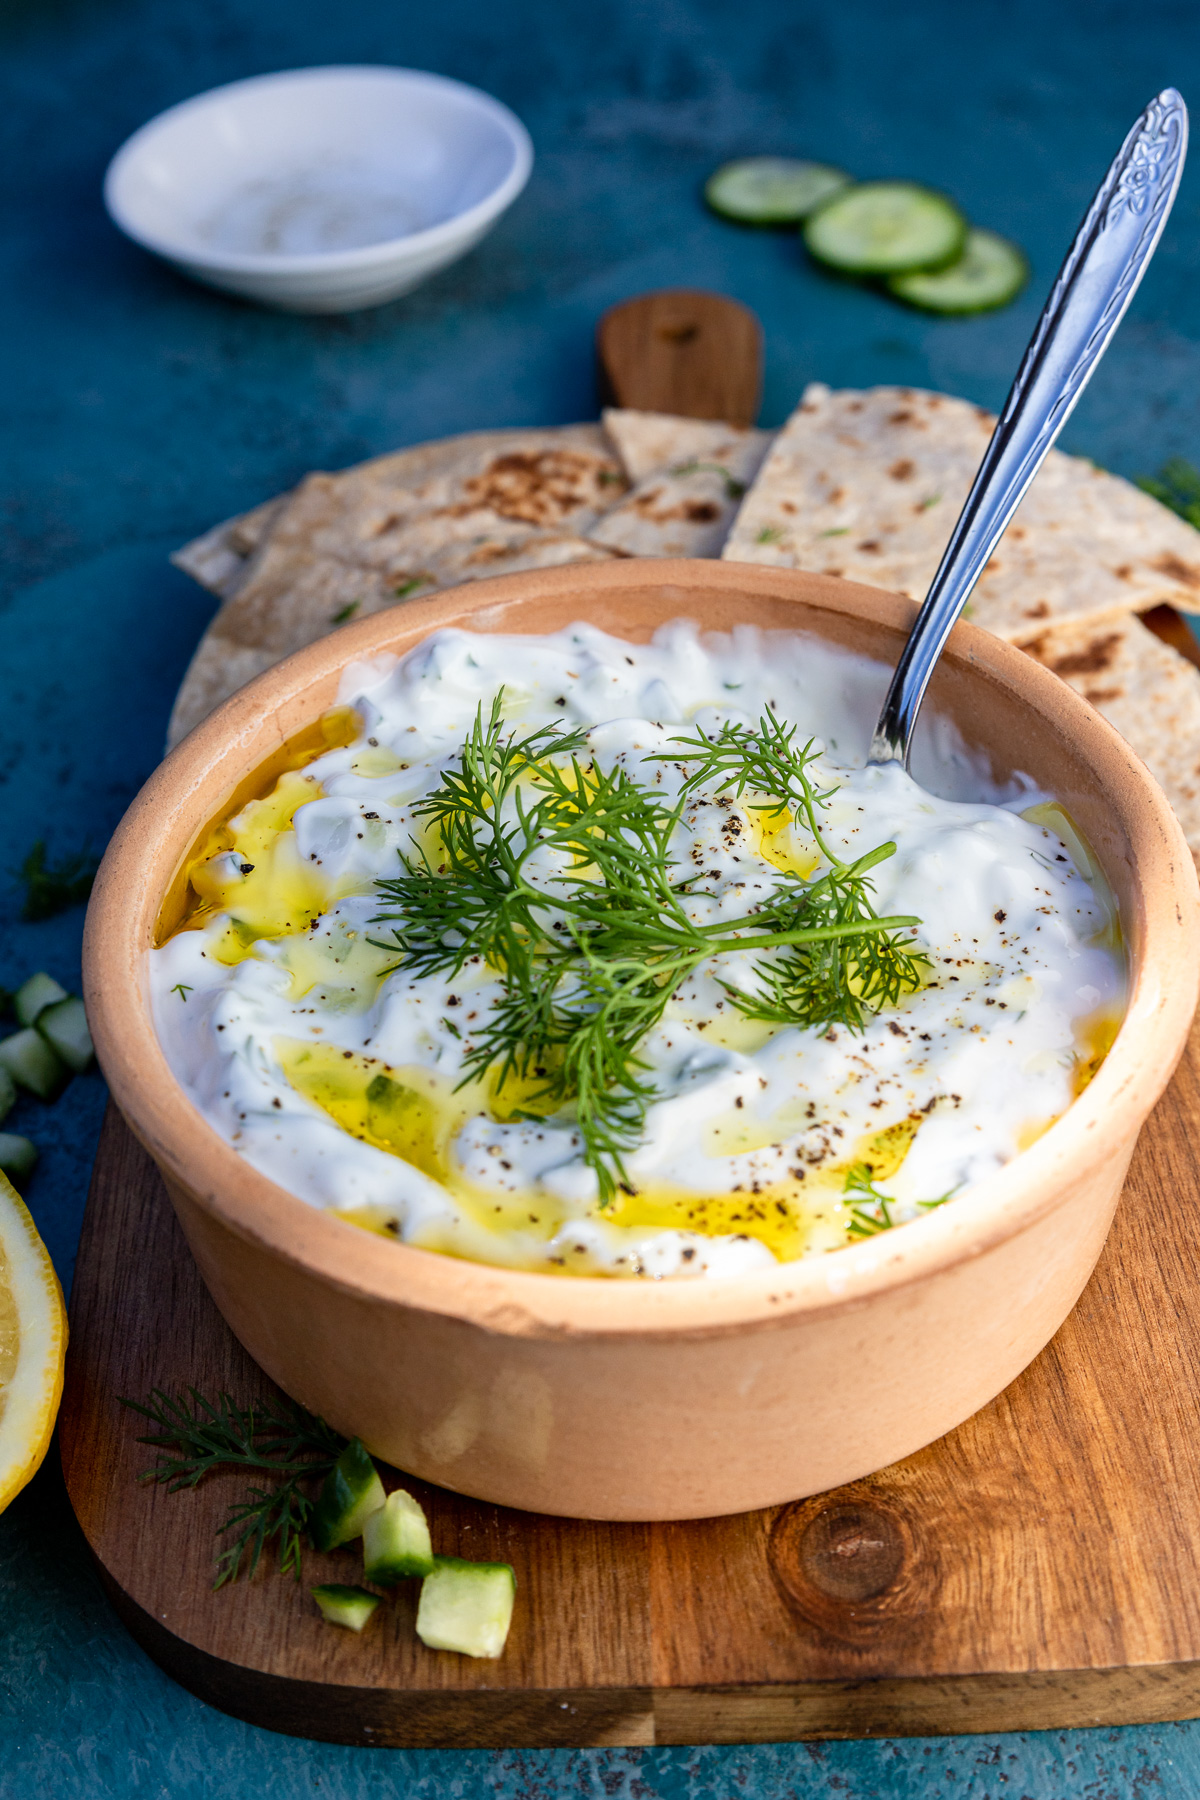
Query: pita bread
343	546
217	560
649	442
1147	691
688	474
868	485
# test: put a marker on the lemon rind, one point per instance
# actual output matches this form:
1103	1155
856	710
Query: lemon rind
31	1398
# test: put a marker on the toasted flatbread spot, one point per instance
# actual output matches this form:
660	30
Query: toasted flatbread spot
541	487
1177	570
1098	654
343	546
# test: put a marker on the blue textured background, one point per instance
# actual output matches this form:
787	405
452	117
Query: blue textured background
136	409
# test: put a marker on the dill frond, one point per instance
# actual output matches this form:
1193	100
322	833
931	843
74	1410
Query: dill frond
281	1439
871	1211
591	954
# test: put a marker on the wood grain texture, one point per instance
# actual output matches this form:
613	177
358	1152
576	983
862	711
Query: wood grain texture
683	351
1037	1568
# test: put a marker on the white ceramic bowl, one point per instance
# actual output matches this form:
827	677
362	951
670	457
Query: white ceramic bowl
320	190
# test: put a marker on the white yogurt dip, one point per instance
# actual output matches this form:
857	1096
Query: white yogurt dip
338	1074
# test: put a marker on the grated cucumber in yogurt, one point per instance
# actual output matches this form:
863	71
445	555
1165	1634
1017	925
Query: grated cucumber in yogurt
353	1079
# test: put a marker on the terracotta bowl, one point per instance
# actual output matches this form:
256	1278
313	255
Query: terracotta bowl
617	1399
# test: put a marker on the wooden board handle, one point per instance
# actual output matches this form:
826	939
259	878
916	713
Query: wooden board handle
684	351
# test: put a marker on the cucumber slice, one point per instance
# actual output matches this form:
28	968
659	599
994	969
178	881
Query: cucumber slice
8	1093
65	1028
17	1155
771	190
341	1605
886	228
466	1606
396	1541
989	273
351	1492
33	1064
34	995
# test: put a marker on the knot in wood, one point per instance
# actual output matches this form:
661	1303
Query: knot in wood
679	331
851	1553
852	1565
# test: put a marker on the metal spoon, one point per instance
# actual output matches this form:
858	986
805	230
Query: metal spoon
1087	302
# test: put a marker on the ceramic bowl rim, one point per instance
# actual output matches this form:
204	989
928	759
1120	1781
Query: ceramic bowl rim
1102	1119
410	247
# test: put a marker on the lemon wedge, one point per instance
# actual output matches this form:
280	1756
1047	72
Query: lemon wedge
33	1343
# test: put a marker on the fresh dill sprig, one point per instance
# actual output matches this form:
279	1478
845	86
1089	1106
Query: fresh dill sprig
279	1439
588	959
560	876
51	889
856	965
765	762
871	1211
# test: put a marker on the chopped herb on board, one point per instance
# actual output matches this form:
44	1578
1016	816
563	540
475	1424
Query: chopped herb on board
278	1440
50	890
345	612
584	987
283	1441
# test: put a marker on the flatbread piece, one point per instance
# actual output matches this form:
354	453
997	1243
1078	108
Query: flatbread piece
1147	691
400	526
689	476
867	484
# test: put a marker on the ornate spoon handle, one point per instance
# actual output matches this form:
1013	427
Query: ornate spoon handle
1087	302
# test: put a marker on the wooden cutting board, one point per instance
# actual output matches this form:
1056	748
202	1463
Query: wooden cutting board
1039	1567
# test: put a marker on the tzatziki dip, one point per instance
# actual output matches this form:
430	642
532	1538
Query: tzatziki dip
609	959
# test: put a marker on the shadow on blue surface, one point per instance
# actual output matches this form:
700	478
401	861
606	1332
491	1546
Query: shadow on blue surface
139	409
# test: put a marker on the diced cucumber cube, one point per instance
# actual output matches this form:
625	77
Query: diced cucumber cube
396	1541
34	996
348	1606
351	1492
8	1093
17	1155
65	1028
34	1064
466	1606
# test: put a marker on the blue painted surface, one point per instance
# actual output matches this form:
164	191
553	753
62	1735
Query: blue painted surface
136	409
